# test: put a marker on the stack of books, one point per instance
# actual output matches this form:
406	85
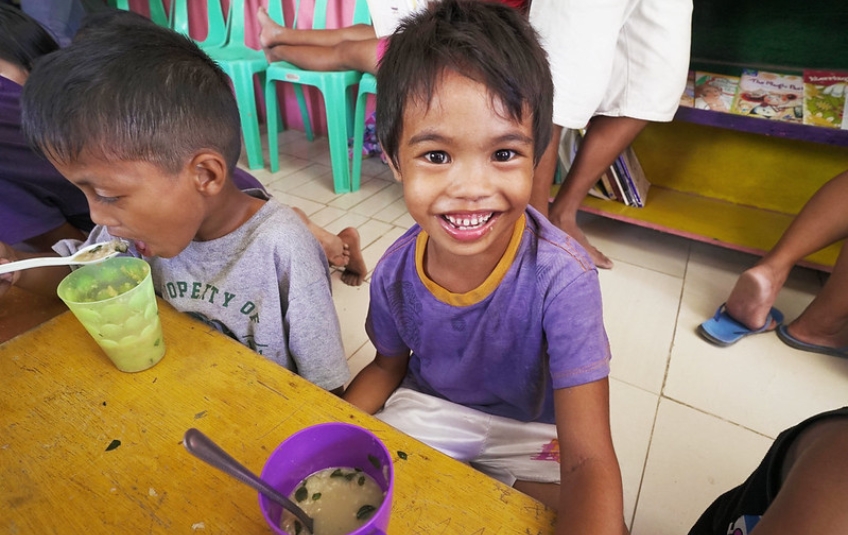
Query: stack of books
815	97
624	181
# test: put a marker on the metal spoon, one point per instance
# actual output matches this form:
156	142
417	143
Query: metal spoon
204	449
87	255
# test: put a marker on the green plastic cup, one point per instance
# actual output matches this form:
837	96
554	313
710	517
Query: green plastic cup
115	302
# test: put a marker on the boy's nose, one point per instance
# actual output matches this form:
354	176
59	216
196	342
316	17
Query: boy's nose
100	215
472	182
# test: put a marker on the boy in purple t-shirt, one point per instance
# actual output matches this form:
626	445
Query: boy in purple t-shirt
487	320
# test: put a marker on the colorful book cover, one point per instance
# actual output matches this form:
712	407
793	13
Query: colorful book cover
640	182
687	99
715	92
770	95
824	98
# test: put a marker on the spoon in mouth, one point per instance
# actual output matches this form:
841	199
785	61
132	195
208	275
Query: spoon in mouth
204	449
87	255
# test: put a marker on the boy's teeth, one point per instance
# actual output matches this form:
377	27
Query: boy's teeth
469	222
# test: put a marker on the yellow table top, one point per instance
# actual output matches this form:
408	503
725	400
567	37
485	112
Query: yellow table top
62	403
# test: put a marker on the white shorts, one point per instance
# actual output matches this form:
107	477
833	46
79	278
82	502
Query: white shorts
615	57
502	448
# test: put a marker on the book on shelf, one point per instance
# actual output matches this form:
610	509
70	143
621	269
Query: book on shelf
714	91
825	98
386	15
687	99
770	95
636	176
624	181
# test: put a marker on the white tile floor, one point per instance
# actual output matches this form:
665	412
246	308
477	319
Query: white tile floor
689	420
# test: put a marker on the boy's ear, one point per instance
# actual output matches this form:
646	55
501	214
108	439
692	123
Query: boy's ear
208	170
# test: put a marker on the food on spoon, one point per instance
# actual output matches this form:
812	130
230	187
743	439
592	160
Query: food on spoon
339	500
103	250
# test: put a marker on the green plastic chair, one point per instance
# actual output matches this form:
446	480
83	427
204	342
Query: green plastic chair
335	87
367	85
217	23
157	10
241	63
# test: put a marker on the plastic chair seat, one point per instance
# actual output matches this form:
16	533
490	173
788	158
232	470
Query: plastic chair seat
241	63
338	101
335	88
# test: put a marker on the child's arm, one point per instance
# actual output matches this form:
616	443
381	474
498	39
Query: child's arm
372	386
590	488
42	280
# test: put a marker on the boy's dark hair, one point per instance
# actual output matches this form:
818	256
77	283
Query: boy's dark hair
130	90
22	38
489	43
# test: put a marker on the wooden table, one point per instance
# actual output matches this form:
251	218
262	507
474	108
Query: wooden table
62	403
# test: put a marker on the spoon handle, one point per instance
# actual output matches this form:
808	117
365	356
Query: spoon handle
204	449
41	261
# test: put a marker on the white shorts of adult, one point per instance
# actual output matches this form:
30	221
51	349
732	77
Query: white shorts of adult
615	57
502	448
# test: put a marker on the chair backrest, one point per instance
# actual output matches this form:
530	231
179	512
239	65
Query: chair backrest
235	23
157	10
216	23
361	15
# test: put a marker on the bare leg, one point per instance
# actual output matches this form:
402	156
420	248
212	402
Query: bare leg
815	484
272	34
605	139
337	49
342	250
821	222
543	176
347	55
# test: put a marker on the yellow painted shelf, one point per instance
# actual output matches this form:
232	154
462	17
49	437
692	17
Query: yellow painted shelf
736	189
744	228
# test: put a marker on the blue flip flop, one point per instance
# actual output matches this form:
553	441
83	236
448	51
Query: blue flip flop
791	341
722	330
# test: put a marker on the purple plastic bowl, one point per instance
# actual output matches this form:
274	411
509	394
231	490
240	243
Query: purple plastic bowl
324	446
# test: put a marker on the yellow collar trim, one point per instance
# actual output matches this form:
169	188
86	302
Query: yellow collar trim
487	287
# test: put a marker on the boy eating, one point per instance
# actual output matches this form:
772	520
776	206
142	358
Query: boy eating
145	124
486	318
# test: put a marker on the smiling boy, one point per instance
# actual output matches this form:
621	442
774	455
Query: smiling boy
145	124
486	318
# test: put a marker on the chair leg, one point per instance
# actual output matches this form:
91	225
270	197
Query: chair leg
358	141
304	111
243	84
337	119
271	115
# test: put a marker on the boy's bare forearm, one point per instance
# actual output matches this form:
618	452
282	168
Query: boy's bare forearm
372	386
591	500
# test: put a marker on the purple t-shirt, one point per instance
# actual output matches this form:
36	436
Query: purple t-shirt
34	197
535	325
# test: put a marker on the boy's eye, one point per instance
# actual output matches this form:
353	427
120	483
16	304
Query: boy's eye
437	157
105	200
504	155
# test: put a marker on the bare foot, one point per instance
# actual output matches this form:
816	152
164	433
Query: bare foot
754	294
338	254
835	336
355	270
270	33
598	258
